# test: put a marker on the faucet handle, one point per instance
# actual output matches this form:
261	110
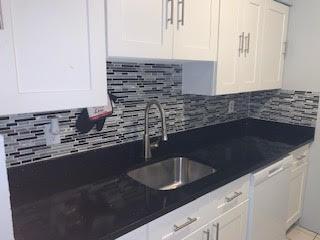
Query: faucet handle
165	138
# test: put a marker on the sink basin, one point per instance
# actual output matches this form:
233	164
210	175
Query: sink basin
171	173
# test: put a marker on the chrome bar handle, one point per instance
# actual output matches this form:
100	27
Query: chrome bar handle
301	157
241	43
183	12
169	19
190	221
236	195
207	233
285	48
1	18
246	51
180	20
217	226
275	172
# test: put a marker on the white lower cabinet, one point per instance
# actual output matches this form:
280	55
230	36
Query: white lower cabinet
178	223
231	225
297	187
225	207
220	213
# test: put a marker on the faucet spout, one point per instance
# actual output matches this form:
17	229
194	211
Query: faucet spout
147	144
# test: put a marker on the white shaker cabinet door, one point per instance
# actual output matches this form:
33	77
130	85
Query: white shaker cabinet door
232	225
230	47
196	30
250	61
296	193
274	40
52	55
140	28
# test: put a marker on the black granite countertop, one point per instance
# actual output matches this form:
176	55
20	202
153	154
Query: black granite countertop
88	196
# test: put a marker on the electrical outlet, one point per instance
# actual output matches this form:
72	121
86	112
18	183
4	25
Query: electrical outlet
52	133
231	106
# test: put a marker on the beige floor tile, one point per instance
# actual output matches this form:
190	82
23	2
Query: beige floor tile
298	233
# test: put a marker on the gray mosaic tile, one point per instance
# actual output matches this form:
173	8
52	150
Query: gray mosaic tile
135	84
294	107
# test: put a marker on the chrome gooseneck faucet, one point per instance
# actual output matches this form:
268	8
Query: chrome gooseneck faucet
147	144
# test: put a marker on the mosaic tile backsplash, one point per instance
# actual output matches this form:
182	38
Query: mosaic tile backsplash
134	84
294	107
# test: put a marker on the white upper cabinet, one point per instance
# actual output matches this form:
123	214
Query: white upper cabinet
52	55
230	47
231	225
251	44
239	46
274	40
140	28
162	29
250	61
195	36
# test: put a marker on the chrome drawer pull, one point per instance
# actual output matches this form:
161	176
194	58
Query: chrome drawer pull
180	19
301	157
246	51
236	195
275	172
217	226
207	233
241	44
190	221
169	20
285	48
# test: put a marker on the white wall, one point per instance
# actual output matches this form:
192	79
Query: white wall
302	72
311	210
302	68
6	230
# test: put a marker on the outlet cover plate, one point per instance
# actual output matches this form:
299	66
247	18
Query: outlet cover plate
51	139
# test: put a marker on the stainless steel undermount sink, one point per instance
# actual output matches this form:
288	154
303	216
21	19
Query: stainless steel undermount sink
171	173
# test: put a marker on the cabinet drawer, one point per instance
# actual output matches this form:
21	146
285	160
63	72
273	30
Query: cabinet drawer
178	223
224	199
233	195
185	220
